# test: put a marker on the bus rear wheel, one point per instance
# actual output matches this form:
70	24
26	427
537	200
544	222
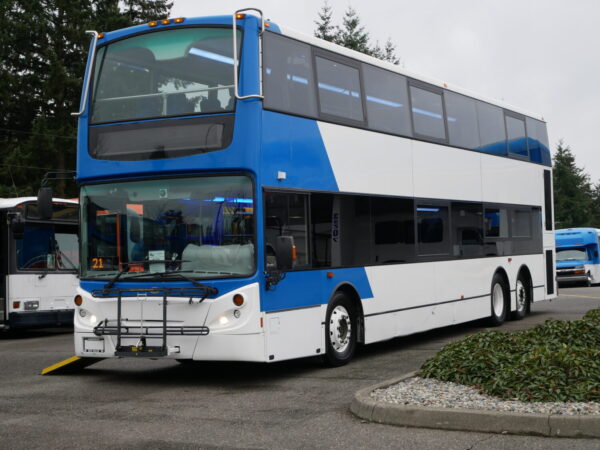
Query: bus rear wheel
340	331
499	297
523	298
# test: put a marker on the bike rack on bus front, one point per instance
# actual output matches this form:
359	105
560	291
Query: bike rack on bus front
141	331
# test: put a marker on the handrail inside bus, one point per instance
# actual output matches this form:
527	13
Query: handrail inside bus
94	34
164	94
235	56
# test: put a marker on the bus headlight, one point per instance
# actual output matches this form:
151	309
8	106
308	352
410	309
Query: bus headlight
88	318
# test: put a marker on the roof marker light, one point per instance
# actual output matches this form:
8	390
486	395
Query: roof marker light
165	21
240	16
101	35
152	23
179	20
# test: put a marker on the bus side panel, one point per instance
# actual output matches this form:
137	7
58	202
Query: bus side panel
445	172
357	158
507	180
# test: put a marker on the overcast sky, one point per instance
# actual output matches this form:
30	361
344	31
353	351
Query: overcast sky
542	56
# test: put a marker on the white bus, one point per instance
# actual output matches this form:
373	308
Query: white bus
251	193
39	264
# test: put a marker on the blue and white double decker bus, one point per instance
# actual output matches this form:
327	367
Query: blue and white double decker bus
577	257
249	193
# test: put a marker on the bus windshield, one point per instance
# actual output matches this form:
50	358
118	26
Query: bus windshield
571	254
202	226
167	73
48	247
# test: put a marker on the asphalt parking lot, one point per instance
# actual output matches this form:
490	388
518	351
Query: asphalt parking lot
299	404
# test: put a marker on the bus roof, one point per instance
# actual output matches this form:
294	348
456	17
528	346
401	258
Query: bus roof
12	202
576	237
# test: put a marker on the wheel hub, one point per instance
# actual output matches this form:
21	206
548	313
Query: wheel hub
340	329
498	299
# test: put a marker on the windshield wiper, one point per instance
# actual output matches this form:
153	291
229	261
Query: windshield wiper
124	269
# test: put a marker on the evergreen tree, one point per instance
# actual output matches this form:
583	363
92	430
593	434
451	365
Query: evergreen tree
43	52
573	197
325	30
352	34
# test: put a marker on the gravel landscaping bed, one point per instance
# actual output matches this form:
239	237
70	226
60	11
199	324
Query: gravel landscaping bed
430	392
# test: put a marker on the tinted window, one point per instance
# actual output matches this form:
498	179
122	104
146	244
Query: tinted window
521	223
462	120
537	141
467	230
428	113
286	215
353	227
394	230
432	224
491	128
387	101
288	76
515	132
339	90
497	242
325	229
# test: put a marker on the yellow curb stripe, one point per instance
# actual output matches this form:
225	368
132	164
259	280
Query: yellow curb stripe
580	296
60	364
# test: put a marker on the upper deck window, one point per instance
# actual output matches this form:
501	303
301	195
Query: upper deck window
168	73
428	113
515	132
339	90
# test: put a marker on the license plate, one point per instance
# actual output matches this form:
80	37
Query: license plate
93	345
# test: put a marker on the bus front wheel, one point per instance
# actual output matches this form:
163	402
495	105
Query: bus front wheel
499	297
340	330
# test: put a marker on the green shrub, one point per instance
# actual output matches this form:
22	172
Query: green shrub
555	361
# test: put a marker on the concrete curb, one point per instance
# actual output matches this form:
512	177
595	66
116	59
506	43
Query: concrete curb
468	419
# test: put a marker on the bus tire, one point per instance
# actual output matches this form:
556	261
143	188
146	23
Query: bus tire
523	297
499	296
340	330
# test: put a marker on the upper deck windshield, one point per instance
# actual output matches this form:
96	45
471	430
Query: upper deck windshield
201	227
165	73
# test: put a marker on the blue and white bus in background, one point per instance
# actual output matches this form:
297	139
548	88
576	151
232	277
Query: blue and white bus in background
250	193
39	264
577	257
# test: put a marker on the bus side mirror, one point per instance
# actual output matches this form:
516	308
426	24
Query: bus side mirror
44	203
17	226
284	249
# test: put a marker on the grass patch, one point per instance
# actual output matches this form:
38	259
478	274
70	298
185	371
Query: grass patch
558	361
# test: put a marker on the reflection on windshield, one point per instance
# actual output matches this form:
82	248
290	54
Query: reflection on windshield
167	73
201	226
48	247
577	254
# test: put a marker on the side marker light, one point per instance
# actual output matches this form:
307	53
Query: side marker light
78	300
238	299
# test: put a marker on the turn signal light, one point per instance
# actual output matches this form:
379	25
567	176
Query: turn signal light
78	300
238	299
153	23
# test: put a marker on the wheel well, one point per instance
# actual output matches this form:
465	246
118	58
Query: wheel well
524	270
351	293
